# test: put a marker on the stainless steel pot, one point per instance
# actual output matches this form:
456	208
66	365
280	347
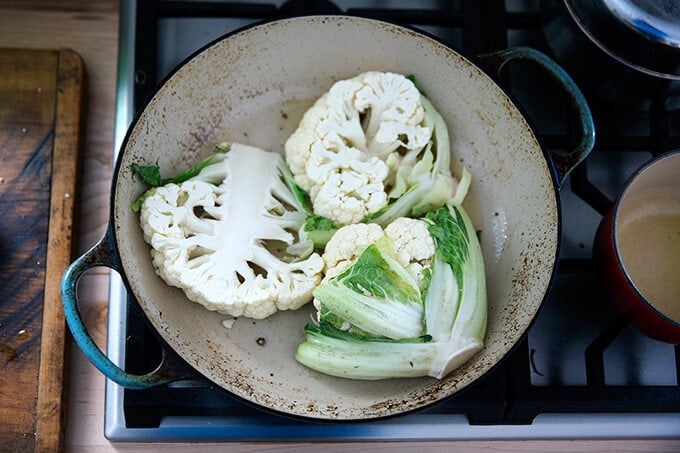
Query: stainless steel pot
626	52
641	34
253	86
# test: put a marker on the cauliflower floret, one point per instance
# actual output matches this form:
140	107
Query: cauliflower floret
395	113
410	238
347	244
345	188
414	245
237	247
340	149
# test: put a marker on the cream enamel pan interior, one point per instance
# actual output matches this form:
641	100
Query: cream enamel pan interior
253	87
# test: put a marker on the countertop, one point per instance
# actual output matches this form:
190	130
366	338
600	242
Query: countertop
91	29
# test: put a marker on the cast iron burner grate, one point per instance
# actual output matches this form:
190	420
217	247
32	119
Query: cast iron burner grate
535	379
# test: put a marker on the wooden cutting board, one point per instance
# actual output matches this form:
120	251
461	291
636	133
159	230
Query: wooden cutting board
40	139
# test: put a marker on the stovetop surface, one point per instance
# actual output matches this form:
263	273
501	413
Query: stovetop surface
580	372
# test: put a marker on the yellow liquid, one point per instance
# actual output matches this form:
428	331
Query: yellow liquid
650	250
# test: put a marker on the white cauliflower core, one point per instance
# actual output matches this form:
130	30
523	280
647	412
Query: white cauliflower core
339	152
236	246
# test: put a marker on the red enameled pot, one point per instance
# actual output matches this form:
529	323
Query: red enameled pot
637	249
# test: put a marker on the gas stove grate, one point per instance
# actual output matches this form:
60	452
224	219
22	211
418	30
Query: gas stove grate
524	386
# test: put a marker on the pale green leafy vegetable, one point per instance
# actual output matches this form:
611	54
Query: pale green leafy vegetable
375	323
378	288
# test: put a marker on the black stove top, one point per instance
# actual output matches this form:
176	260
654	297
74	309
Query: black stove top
578	356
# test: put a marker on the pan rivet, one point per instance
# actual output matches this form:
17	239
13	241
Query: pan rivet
140	77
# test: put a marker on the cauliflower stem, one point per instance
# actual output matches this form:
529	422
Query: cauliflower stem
375	322
320	230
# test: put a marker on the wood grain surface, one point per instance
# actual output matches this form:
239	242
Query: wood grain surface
26	137
63	197
40	106
91	28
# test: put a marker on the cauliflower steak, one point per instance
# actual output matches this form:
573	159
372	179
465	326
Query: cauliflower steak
231	237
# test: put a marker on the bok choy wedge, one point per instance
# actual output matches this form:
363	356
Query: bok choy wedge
378	320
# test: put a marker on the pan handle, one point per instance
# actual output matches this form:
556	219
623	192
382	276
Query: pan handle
564	162
103	254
